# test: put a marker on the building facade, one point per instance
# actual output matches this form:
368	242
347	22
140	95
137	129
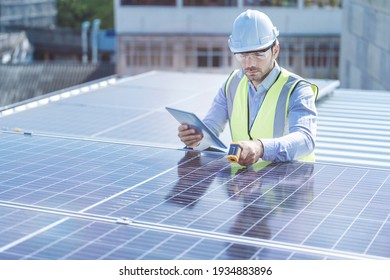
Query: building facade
31	13
186	35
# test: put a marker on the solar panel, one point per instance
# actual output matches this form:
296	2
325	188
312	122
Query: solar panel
131	109
70	198
123	195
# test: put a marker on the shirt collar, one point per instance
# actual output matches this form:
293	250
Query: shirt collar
270	79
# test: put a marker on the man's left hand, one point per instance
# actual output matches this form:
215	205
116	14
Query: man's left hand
251	151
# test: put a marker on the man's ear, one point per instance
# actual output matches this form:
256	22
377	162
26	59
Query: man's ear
275	51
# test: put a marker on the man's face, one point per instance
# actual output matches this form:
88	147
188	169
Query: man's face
258	64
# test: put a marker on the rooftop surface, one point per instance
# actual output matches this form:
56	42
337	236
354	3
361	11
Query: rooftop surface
353	125
97	172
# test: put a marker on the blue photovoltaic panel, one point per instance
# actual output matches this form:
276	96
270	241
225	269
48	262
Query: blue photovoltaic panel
132	110
77	239
81	199
67	198
66	174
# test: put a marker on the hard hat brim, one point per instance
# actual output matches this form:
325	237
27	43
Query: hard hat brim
235	47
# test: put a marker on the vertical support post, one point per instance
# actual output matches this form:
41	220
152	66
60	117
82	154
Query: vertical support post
84	41
94	40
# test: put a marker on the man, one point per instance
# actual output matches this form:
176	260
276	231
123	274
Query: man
271	112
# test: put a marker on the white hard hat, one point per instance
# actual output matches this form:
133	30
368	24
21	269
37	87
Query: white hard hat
252	30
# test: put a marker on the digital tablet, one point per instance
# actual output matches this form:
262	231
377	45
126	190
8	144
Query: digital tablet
194	122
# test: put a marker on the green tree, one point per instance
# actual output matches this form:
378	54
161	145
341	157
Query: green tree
72	13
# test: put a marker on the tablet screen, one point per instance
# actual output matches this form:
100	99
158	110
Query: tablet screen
193	121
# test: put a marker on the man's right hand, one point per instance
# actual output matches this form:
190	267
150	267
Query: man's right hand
189	136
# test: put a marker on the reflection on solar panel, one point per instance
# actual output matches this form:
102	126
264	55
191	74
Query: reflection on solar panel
67	198
131	109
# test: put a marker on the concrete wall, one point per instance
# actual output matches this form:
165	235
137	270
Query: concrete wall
365	45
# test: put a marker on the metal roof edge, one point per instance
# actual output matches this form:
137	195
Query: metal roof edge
57	95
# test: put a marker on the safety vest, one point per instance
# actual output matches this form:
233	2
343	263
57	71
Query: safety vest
271	120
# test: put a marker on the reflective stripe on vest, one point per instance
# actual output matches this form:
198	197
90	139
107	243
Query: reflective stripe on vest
271	120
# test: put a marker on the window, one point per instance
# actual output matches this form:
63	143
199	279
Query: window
220	3
273	3
316	55
202	57
216	57
212	57
142	52
321	54
323	3
148	2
